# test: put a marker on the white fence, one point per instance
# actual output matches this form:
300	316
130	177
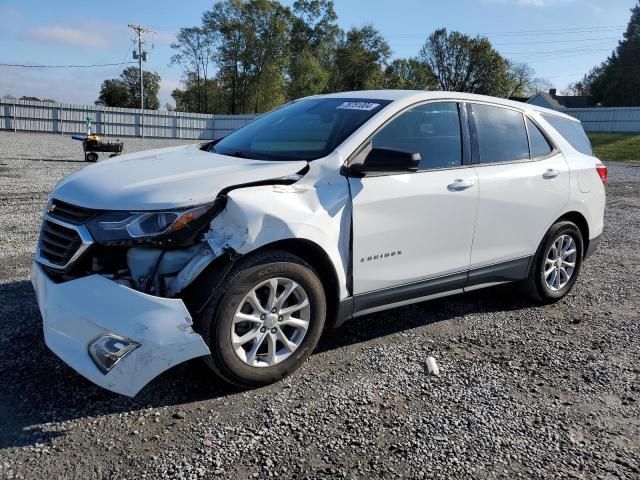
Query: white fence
67	119
608	120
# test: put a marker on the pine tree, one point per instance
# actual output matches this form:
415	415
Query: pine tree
617	81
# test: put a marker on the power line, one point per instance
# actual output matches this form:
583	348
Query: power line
551	58
568	31
532	42
585	48
575	40
620	67
561	31
554	55
20	65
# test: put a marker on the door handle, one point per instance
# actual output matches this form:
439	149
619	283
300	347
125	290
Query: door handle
551	173
459	184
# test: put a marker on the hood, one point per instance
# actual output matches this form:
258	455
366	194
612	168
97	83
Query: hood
163	179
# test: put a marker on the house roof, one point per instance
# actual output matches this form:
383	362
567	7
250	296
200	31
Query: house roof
558	102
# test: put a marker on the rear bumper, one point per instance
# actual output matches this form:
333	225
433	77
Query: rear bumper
78	312
593	246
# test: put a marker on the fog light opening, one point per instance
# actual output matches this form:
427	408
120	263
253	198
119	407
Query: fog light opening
109	349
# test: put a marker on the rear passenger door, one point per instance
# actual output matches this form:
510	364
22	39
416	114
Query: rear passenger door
523	186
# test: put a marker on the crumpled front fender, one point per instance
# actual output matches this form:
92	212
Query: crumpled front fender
258	216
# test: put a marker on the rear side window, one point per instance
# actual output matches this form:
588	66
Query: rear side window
572	132
537	141
502	136
432	130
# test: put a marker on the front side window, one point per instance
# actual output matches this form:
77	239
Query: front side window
502	136
304	130
573	133
537	141
432	130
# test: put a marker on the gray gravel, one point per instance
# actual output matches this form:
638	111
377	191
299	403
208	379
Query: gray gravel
524	391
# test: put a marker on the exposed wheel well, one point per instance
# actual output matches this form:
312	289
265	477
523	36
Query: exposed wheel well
315	256
581	223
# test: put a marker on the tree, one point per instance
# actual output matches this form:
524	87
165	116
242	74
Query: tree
519	77
464	64
188	99
360	57
574	89
114	93
538	85
409	74
125	91
131	78
264	53
314	34
195	48
616	83
253	52
583	87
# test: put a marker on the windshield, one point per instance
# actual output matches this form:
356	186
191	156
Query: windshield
304	130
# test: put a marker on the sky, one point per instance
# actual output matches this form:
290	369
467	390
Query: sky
560	39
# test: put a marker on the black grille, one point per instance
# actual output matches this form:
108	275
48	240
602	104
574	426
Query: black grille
70	213
57	243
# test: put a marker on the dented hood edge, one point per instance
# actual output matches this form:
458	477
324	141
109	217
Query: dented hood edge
170	178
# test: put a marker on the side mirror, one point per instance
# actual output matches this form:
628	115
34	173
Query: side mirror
388	160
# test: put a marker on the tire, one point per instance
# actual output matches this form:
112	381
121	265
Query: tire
91	157
241	365
544	287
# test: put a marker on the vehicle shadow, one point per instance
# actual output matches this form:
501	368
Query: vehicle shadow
52	160
38	388
397	320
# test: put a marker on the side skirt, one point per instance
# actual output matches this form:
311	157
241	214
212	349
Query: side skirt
430	289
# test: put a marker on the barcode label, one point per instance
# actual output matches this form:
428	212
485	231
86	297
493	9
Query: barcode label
367	106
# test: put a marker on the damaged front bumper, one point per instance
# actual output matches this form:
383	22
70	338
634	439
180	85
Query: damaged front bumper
78	312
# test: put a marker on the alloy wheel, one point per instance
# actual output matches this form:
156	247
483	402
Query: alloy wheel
270	322
560	262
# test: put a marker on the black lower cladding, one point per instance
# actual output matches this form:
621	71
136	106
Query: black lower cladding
511	271
410	291
593	245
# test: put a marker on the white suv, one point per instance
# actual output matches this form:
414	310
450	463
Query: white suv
244	249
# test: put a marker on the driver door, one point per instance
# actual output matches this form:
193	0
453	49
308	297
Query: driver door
412	232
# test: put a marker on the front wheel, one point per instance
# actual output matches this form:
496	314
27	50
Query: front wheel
264	320
557	263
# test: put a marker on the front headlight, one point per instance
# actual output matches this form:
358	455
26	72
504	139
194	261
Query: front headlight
174	227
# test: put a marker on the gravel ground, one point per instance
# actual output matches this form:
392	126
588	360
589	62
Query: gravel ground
525	391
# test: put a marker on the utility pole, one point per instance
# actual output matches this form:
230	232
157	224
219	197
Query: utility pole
141	56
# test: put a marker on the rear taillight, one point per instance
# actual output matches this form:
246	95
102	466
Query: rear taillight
602	171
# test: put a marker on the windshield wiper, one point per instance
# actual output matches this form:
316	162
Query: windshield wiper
237	154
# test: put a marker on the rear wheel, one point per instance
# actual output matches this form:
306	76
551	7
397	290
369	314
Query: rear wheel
91	157
264	320
557	263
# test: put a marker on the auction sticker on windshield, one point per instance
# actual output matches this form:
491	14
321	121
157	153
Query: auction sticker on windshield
368	106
